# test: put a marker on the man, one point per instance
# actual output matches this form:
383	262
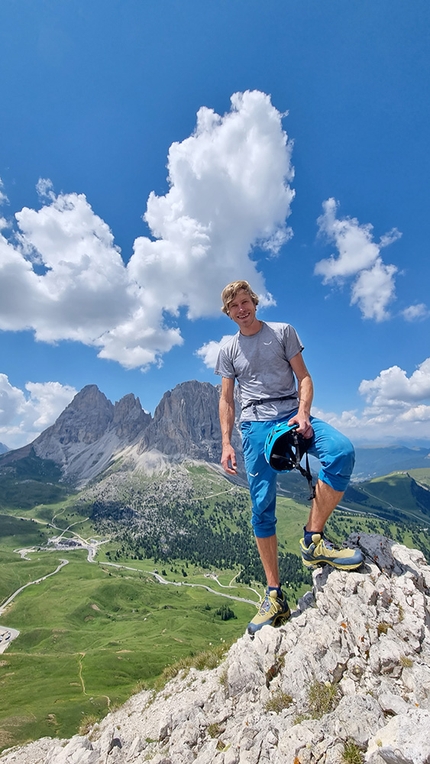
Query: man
266	360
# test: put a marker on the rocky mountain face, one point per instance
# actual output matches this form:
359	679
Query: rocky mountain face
92	432
186	422
347	679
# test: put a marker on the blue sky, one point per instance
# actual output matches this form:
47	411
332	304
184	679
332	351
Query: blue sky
283	142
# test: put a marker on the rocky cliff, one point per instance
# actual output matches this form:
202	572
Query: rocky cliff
89	432
92	432
347	679
186	423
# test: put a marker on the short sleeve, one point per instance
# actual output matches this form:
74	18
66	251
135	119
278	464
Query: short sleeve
292	342
224	366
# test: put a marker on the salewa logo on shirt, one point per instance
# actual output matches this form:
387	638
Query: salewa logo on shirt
267	343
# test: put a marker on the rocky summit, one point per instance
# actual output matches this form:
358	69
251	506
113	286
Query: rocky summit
92	433
347	679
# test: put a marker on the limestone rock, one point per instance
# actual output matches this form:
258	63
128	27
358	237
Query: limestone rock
404	740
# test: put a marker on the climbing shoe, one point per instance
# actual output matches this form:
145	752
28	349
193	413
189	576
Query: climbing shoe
271	612
322	552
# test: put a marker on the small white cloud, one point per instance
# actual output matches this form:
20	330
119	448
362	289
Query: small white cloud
25	414
209	352
358	256
45	189
374	289
3	197
390	237
416	312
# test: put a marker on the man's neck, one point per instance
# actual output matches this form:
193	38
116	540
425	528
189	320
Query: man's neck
254	328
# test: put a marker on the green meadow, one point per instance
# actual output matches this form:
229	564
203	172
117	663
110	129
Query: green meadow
94	633
90	635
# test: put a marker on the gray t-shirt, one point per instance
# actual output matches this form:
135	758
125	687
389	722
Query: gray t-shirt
260	363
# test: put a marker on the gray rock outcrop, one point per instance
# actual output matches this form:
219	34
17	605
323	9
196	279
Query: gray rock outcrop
348	674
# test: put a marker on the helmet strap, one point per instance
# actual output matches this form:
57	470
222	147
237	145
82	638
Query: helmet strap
305	471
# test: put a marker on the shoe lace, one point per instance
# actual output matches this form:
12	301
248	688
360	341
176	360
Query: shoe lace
266	605
327	543
330	544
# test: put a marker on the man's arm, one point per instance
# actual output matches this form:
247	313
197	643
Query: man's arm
306	394
226	418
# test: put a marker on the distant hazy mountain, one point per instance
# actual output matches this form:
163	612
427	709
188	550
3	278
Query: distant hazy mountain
378	460
3	448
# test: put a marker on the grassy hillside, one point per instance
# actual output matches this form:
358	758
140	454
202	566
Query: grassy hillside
27	481
422	476
90	634
399	496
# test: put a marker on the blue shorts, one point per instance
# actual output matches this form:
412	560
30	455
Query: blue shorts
334	451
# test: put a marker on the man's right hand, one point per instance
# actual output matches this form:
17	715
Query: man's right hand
228	460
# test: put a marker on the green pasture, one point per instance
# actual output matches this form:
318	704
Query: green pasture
16	532
291	516
17	572
421	475
90	634
49	519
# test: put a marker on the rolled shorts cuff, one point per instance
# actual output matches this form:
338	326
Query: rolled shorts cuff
336	482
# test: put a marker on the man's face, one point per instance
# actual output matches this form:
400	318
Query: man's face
242	310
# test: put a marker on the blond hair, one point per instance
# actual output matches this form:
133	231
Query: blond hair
229	293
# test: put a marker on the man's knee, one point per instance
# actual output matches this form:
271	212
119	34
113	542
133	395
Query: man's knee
338	463
264	523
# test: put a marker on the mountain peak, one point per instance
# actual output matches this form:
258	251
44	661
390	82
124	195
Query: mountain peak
186	422
91	432
84	420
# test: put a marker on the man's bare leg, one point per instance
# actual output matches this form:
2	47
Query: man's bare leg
268	550
326	499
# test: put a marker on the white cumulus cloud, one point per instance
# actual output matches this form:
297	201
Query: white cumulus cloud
24	414
359	258
397	406
394	386
63	277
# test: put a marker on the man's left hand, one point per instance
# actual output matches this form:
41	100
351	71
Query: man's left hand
305	428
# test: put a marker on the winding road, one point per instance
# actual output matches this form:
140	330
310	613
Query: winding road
78	542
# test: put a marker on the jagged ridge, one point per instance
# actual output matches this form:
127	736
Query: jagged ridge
92	433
